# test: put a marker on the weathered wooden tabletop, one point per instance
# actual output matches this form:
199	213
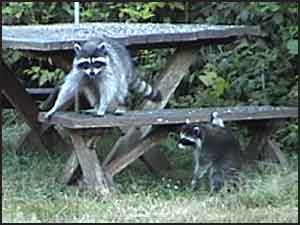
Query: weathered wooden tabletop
62	36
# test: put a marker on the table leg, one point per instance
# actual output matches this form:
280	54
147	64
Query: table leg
16	94
261	146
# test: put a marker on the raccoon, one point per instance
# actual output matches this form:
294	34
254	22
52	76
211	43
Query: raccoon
103	71
216	152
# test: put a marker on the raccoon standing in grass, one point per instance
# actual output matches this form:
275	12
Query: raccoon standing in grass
103	71
216	152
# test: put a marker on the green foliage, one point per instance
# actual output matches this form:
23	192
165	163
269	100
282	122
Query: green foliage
213	81
288	136
137	12
36	12
11	57
292	46
43	75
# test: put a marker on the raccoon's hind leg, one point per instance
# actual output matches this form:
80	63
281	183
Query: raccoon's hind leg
121	106
216	180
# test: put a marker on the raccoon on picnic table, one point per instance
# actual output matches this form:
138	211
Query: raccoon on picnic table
103	71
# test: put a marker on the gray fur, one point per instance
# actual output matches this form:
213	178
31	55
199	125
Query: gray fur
218	155
103	71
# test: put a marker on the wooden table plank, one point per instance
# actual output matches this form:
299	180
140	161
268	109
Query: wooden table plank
170	116
62	36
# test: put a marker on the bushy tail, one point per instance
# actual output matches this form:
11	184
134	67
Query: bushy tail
146	89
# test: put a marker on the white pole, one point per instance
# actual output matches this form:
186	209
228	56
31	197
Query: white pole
76	12
76	21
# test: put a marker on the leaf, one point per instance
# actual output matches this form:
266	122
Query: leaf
208	78
176	5
35	76
219	86
18	14
292	46
43	79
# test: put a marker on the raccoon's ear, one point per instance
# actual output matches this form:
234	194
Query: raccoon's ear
197	131
102	48
77	48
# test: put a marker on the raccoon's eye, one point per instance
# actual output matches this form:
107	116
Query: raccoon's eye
98	64
84	65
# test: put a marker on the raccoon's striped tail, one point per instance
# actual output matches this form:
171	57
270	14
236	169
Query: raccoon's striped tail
146	89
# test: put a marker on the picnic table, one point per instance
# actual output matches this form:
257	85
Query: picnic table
140	139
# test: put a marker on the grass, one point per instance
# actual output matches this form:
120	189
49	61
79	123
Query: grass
31	192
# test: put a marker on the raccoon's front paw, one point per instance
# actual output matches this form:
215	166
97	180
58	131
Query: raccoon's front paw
100	114
48	115
88	111
120	111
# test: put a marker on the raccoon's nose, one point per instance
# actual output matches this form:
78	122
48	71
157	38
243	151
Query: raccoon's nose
92	73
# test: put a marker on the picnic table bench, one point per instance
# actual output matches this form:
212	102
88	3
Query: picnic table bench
84	130
56	41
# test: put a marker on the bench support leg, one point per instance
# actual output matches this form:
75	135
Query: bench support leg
273	153
119	163
72	170
93	175
261	145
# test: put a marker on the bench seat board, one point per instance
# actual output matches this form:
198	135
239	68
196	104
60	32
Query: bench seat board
170	116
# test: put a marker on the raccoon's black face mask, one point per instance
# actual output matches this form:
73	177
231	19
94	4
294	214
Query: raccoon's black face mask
91	58
190	136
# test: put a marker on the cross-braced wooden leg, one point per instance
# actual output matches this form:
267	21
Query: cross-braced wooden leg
71	171
261	145
15	93
274	153
121	162
93	175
